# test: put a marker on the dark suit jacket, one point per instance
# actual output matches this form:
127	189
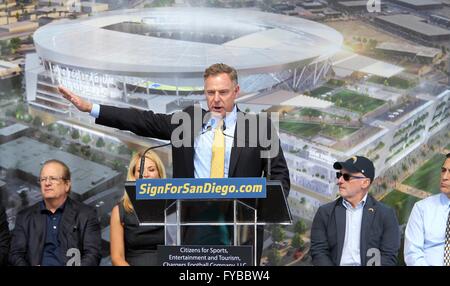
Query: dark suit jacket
4	237
79	228
244	161
379	230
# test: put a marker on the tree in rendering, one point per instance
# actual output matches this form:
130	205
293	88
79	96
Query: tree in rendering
298	242
75	134
300	226
278	234
274	257
100	143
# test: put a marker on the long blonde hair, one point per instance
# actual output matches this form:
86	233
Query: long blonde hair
135	159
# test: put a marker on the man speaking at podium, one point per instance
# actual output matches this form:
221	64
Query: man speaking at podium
214	149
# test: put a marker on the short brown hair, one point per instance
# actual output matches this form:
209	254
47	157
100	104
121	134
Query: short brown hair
66	170
219	68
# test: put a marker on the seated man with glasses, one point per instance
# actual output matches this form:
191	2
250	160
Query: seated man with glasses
355	229
56	231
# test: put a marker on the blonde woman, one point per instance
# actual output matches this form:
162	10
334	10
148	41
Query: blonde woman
132	244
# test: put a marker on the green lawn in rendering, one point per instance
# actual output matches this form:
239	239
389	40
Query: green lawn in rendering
320	90
302	129
428	176
337	132
310	112
402	204
309	130
396	82
349	99
356	102
336	82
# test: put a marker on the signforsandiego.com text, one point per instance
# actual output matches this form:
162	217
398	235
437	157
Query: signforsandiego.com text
206	188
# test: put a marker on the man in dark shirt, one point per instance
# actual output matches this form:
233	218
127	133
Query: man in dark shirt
57	231
4	237
52	247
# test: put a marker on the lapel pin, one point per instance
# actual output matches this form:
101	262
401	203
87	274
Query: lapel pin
371	210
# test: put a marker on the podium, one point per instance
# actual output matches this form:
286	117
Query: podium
213	222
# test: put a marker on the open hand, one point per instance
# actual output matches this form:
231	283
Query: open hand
78	102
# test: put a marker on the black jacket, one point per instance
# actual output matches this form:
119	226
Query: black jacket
79	228
379	230
4	237
245	161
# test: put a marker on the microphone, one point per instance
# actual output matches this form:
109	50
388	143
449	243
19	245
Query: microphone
269	173
141	170
209	128
224	127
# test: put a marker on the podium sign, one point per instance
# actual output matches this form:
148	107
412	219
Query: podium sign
202	188
211	255
219	220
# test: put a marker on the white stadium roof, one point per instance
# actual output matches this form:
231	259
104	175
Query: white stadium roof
262	42
345	63
284	97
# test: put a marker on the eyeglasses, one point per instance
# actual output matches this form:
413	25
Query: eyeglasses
347	177
53	180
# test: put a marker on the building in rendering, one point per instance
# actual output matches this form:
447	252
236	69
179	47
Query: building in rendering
414	27
24	157
419	4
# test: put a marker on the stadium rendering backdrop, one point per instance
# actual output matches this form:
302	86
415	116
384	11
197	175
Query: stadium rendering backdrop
129	57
